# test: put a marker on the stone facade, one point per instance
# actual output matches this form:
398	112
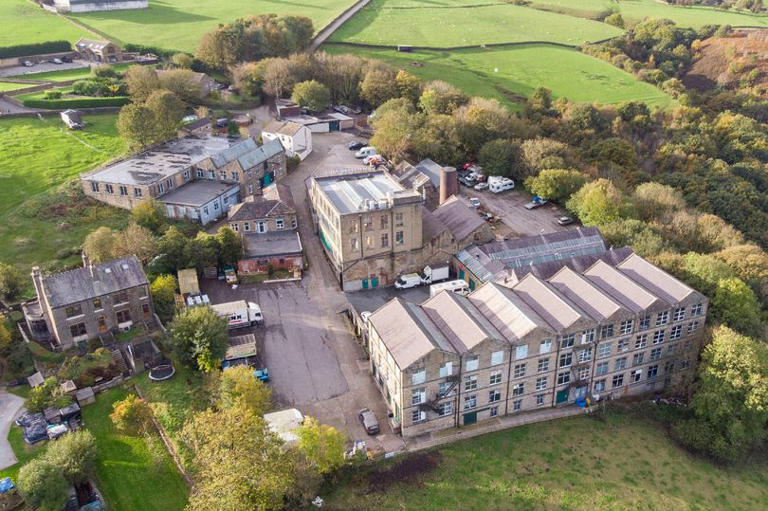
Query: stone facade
82	304
605	332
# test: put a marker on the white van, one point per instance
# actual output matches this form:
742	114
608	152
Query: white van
408	281
365	152
457	286
498	184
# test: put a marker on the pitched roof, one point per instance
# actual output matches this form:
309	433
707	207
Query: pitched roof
283	127
91	44
656	280
78	285
619	286
585	294
188	283
256	209
247	153
460	320
548	303
407	332
431	226
507	311
459	218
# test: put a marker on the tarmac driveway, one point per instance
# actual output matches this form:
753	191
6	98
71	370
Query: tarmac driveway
293	343
9	406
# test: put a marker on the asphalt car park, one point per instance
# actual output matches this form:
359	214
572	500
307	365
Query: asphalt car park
510	207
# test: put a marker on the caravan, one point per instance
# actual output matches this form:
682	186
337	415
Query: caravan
498	184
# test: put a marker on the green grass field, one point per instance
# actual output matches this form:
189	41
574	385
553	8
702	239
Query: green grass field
179	24
9	86
37	221
32	24
636	10
458	25
512	73
580	463
132	475
67	74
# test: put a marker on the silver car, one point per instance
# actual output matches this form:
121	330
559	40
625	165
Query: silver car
369	422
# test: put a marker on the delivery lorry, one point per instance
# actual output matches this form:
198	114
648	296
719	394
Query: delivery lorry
239	313
430	275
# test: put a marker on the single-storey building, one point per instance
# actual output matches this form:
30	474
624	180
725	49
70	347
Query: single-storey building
98	5
241	350
280	250
295	138
285	108
324	123
201	200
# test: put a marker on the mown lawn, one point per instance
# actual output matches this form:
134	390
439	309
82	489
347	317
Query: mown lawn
179	24
133	473
9	86
580	463
636	10
39	223
26	23
445	26
512	73
67	74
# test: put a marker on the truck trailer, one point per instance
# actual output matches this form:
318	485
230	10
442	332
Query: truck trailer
239	313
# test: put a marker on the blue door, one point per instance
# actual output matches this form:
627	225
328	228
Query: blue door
365	283
374	282
461	274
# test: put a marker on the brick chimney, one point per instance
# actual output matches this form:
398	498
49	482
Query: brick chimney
449	183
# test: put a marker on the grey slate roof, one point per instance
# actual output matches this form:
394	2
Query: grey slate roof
431	226
272	244
247	153
458	217
197	193
78	285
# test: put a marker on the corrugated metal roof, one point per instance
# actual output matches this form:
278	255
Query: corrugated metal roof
506	311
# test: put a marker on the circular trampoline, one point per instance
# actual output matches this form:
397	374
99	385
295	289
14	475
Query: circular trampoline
162	372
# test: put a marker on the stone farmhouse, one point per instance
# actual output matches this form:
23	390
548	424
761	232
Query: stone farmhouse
98	50
196	177
78	305
610	330
267	223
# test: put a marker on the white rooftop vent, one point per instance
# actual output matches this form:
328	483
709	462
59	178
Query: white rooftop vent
107	270
125	266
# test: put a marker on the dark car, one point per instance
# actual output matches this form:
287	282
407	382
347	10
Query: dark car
66	59
355	145
369	422
565	220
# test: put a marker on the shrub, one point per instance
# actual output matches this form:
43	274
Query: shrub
22	50
52	94
131	416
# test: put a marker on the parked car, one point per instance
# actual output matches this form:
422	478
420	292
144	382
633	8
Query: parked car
57	61
261	374
474	202
369	422
537	202
481	186
27	63
341	109
365	151
355	145
68	60
565	220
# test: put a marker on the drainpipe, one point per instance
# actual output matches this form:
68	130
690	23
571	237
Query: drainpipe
509	375
458	391
557	370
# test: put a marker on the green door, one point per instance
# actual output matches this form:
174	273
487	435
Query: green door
470	418
365	283
461	274
471	285
561	396
374	282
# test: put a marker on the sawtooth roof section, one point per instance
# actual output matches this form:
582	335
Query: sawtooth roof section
460	320
619	286
507	311
549	304
598	304
656	280
407	332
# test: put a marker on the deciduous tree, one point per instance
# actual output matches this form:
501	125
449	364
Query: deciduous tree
99	245
378	86
200	337
312	95
11	282
43	485
141	82
74	455
163	290
167	110
441	97
136	124
735	305
132	415
556	184
230	246
149	213
322	445
136	240
501	157
238	385
599	202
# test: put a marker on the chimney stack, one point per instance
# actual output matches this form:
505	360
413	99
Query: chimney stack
449	183
37	280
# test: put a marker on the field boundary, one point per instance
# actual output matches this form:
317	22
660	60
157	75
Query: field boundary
332	26
465	47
